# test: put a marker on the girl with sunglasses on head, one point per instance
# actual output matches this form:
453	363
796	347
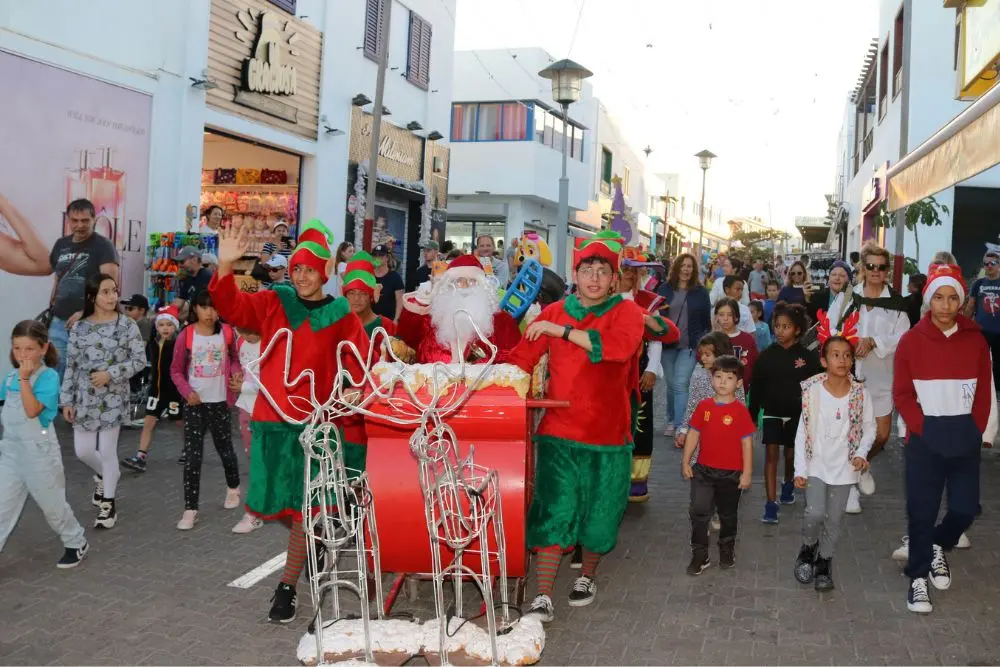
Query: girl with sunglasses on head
883	322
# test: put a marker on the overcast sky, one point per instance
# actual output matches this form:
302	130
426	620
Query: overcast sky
761	83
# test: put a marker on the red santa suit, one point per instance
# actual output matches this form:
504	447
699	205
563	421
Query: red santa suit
416	326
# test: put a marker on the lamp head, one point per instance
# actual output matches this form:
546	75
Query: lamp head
567	80
705	158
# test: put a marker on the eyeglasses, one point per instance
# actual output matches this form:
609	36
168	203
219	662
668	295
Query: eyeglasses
876	267
592	272
990	263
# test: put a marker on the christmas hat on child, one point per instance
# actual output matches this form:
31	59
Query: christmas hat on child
360	274
313	248
606	244
169	313
941	275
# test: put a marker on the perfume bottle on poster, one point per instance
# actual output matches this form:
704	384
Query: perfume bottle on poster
107	192
77	184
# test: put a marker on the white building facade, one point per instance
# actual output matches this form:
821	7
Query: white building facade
245	104
870	139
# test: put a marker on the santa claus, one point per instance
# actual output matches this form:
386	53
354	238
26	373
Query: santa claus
441	319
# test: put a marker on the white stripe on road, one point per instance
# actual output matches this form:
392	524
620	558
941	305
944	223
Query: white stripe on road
260	572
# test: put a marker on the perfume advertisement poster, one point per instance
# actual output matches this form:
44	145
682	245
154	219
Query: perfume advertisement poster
67	136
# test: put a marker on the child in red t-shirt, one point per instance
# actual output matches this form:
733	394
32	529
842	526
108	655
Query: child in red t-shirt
724	429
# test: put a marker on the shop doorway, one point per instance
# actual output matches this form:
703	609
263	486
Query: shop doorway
255	184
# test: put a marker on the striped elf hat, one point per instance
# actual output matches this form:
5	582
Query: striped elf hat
360	274
605	244
313	248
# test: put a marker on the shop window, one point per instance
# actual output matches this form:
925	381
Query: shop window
883	80
418	68
488	126
605	170
463	122
287	5
897	54
374	28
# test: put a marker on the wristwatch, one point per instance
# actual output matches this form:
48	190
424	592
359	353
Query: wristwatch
568	330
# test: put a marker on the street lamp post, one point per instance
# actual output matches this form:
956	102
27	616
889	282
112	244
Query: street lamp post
567	84
704	161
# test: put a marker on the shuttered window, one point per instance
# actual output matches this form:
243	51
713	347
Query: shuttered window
374	28
418	68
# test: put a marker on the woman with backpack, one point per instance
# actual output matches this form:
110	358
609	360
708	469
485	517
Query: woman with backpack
205	359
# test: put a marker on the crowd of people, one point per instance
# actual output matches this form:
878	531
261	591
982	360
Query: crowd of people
812	374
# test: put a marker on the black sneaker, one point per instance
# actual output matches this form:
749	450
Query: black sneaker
107	515
805	563
542	606
321	554
72	557
283	604
136	463
576	562
727	556
98	496
583	593
824	575
917	598
940	571
699	563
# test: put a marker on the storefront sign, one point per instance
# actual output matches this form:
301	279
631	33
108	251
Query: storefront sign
266	65
400	151
264	72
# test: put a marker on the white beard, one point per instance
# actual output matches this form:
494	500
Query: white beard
451	326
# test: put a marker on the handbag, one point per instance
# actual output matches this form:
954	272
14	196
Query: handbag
45	317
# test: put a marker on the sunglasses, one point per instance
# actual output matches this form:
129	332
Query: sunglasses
272	270
990	263
796	273
877	267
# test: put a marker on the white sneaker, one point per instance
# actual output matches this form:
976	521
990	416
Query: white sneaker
963	542
853	501
188	520
543	607
902	552
232	498
247	524
866	483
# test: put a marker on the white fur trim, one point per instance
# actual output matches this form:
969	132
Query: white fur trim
469	272
167	316
942	281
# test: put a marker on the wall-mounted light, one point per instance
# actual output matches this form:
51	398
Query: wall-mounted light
361	100
203	82
434	136
413	126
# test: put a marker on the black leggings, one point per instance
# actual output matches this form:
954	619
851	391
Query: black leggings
216	418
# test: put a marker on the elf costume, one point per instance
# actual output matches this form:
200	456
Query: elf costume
360	275
583	453
277	459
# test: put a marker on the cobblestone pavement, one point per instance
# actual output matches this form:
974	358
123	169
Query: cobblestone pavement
149	594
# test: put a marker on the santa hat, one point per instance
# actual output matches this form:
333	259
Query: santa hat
465	266
313	248
169	313
360	274
606	244
941	275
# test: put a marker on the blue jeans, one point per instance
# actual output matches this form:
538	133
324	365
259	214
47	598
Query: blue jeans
678	365
59	339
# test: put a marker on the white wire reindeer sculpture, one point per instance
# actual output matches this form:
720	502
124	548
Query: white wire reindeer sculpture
461	499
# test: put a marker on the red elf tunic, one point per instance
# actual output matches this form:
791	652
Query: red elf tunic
583	466
277	460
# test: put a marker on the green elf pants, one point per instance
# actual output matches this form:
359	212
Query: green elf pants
581	492
276	468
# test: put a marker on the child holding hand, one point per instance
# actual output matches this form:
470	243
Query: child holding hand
835	433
